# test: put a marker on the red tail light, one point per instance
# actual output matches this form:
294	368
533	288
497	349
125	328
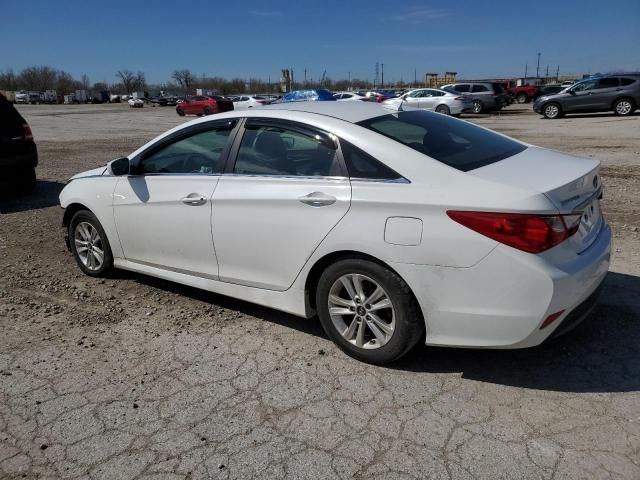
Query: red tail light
550	319
527	232
459	98
27	133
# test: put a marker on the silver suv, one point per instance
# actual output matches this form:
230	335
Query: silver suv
486	96
617	93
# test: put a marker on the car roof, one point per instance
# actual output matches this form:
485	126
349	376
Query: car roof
348	111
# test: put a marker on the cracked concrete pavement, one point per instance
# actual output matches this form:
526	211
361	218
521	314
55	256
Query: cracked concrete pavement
134	377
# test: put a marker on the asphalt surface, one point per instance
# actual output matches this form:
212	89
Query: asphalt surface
133	377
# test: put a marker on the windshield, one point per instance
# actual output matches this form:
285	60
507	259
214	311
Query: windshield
459	144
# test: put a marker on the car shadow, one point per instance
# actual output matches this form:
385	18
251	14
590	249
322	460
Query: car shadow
600	355
44	195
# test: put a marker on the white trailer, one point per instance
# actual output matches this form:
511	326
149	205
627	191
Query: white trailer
81	96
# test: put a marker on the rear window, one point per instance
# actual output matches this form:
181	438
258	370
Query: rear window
498	88
626	81
458	144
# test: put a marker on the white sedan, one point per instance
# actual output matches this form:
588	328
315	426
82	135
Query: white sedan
435	100
243	102
135	102
393	226
349	96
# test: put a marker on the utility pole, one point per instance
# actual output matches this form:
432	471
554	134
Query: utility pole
558	72
350	86
382	80
526	66
291	81
547	70
305	77
415	77
538	67
377	77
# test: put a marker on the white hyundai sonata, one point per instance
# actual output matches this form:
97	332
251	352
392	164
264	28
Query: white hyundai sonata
393	226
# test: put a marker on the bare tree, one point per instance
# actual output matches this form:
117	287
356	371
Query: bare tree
65	83
140	81
127	78
38	78
8	80
184	78
86	83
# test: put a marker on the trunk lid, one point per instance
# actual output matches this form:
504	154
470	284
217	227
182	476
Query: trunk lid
571	183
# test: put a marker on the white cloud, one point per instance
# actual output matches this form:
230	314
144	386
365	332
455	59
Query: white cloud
420	15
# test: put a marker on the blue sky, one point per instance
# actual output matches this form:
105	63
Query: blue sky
258	38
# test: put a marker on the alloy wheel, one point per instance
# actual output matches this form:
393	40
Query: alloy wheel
361	311
89	246
477	107
551	111
623	107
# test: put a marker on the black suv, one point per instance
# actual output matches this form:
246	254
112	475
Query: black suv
18	153
617	93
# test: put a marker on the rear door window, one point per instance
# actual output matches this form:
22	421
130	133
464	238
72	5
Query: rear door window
461	88
608	82
362	166
479	88
272	149
626	81
458	144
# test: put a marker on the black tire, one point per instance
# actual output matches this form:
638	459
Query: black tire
443	109
409	324
552	110
478	107
180	112
86	217
27	180
206	111
521	98
624	106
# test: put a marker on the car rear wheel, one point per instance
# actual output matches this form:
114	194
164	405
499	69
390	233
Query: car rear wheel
180	112
624	106
207	111
552	110
89	244
27	180
521	98
368	311
443	109
477	106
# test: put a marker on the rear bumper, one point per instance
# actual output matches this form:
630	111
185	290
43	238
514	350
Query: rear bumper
502	301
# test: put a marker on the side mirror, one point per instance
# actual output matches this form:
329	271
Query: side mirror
119	166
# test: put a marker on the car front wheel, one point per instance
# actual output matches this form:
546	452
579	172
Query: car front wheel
477	106
89	244
624	106
368	311
552	110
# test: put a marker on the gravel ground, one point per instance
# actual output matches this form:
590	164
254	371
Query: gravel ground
133	377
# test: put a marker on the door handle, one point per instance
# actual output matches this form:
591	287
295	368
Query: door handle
317	199
194	199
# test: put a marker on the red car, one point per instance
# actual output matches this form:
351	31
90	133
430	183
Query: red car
201	105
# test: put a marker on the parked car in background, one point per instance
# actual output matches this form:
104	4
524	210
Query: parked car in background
22	97
308	95
380	95
486	96
549	90
18	152
204	105
435	100
393	227
568	83
349	96
617	93
520	93
135	102
244	102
